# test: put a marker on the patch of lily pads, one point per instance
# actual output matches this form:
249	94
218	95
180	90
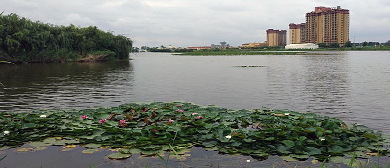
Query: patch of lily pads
153	129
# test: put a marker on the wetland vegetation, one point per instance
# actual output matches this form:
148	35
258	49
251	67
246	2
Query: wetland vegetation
23	41
156	128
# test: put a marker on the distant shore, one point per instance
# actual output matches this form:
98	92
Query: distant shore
274	51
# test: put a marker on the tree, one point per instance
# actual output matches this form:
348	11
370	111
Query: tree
388	42
365	43
22	40
348	44
334	45
322	45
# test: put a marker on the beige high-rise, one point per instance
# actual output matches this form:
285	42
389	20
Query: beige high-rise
327	25
297	33
276	37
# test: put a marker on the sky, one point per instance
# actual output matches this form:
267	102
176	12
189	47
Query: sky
184	23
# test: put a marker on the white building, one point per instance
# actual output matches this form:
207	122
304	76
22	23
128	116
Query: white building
302	46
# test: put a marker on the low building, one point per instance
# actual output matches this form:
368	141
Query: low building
200	48
253	45
302	46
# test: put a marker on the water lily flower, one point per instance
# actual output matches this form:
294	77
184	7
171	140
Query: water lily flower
180	110
43	116
199	117
228	136
178	105
122	122
83	117
6	132
170	120
322	139
248	161
194	114
286	114
102	121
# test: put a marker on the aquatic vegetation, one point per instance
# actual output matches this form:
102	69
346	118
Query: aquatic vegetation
155	128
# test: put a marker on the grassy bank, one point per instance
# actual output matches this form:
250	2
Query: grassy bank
240	52
278	51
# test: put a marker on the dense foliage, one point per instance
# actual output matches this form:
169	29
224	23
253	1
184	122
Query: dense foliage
152	129
22	40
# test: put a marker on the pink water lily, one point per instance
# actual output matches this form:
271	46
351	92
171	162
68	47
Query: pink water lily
102	121
122	122
178	105
194	114
199	117
170	120
83	117
180	110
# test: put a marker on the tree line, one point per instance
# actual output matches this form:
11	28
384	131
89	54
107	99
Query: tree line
22	40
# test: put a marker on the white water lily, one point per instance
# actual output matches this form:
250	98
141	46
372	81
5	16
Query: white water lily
286	114
228	136
6	132
43	116
322	139
248	161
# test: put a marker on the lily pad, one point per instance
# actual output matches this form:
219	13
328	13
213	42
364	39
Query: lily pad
159	127
118	156
90	151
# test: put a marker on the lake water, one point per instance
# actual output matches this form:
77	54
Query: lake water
353	85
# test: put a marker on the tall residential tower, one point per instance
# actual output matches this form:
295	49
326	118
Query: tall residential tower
276	37
297	33
323	25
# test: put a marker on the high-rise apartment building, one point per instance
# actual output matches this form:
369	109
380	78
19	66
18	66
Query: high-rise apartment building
276	37
297	33
327	25
323	25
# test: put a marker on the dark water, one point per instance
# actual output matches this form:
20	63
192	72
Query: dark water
353	86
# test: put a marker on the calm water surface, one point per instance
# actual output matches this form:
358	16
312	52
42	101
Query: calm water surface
352	86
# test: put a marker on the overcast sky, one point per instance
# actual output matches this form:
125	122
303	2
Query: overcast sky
184	23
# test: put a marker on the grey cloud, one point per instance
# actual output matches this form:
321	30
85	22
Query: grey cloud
202	22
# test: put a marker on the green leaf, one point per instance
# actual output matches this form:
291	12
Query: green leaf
92	146
90	151
289	143
300	157
118	156
283	149
270	139
313	151
336	150
209	144
288	159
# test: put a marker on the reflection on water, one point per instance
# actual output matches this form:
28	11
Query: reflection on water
64	85
311	83
352	85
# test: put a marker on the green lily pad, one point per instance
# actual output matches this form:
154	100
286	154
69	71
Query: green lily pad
118	156
92	146
289	159
157	127
90	151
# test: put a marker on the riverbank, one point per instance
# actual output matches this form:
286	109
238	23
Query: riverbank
278	51
26	41
240	52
